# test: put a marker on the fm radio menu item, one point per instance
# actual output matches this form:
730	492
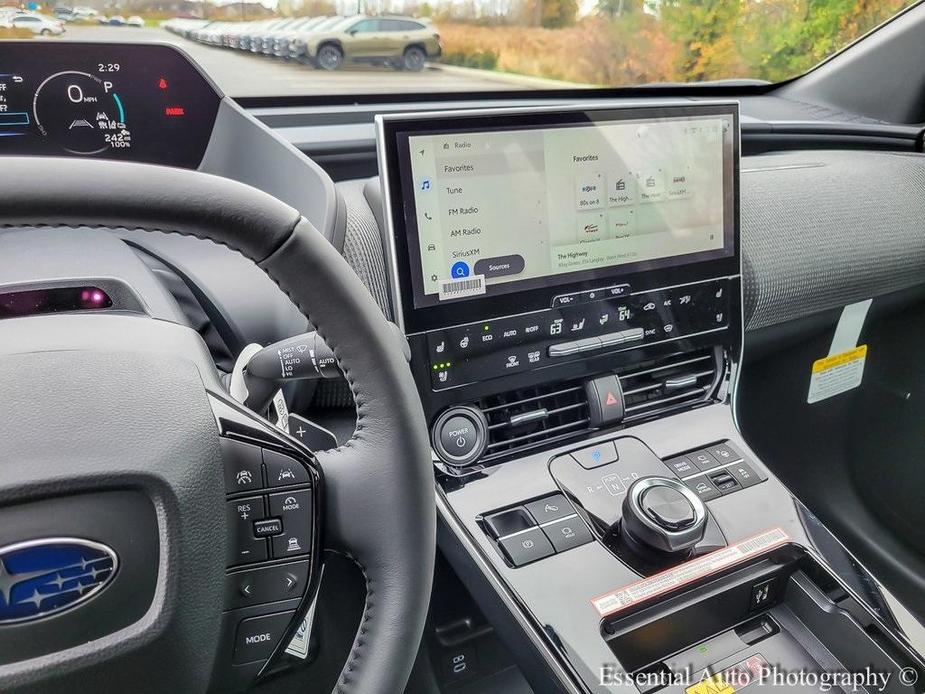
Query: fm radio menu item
495	209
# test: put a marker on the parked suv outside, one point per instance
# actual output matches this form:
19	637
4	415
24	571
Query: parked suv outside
402	42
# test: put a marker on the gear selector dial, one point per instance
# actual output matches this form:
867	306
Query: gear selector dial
662	514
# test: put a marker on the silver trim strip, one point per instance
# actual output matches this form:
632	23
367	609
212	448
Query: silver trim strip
540	525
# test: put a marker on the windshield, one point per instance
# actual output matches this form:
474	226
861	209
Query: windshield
318	47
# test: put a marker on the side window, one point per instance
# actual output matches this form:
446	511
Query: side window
366	26
410	26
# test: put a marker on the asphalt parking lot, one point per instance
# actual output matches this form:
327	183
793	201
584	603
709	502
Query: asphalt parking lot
245	74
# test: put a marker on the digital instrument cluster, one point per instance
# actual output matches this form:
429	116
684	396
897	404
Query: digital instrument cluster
144	103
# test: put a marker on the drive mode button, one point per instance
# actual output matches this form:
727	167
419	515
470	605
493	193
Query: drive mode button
258	636
459	436
500	266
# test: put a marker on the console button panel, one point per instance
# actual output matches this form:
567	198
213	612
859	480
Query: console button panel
596	479
536	530
583	324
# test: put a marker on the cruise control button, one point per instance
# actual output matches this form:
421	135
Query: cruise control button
295	511
283	470
459	436
567	533
258	636
526	547
549	509
271	526
703	487
595	456
244	545
242	465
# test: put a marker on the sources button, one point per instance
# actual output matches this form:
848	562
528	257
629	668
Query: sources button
501	266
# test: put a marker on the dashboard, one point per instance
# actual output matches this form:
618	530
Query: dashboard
143	103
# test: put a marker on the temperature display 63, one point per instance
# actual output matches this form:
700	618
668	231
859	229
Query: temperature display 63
131	102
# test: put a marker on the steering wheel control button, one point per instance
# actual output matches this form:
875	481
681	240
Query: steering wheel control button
266	528
244	546
567	533
258	636
459	435
295	511
526	547
242	465
551	508
266	584
703	487
283	470
605	400
508	522
668	507
596	456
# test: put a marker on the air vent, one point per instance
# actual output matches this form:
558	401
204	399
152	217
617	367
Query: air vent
669	383
527	418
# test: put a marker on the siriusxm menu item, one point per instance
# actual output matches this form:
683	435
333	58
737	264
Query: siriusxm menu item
499	211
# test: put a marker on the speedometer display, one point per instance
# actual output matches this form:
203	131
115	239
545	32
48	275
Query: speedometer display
129	102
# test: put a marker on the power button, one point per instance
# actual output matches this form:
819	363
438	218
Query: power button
459	435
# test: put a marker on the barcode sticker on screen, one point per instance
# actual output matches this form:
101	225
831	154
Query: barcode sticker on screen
465	286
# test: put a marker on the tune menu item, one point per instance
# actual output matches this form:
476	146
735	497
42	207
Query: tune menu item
141	103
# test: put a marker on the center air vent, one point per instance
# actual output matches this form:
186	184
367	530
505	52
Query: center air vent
522	419
665	384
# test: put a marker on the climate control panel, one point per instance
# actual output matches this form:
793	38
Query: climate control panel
578	325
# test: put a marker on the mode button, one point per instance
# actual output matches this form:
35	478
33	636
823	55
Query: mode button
258	636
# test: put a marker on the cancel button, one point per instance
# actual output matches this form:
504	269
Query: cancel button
500	266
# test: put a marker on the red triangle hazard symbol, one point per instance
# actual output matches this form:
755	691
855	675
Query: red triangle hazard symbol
611	400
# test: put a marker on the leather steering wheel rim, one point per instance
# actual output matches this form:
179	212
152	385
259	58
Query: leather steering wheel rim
380	496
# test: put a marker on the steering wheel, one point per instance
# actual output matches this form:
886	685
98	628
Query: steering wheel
120	520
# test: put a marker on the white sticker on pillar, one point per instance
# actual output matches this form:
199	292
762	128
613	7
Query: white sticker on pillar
843	368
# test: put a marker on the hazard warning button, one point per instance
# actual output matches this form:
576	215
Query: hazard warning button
605	400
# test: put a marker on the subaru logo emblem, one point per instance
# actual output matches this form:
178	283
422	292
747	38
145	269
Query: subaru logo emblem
40	578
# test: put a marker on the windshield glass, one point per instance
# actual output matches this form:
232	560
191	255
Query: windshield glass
355	47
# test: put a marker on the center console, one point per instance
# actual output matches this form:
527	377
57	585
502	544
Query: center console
569	281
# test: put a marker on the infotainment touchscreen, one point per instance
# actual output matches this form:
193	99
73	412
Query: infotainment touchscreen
492	206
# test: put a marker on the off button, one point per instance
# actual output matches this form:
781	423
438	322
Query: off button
459	436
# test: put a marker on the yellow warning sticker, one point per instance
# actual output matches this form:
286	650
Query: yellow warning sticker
837	373
711	685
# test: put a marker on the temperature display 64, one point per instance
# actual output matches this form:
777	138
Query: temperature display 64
134	102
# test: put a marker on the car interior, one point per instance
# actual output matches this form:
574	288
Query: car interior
500	392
